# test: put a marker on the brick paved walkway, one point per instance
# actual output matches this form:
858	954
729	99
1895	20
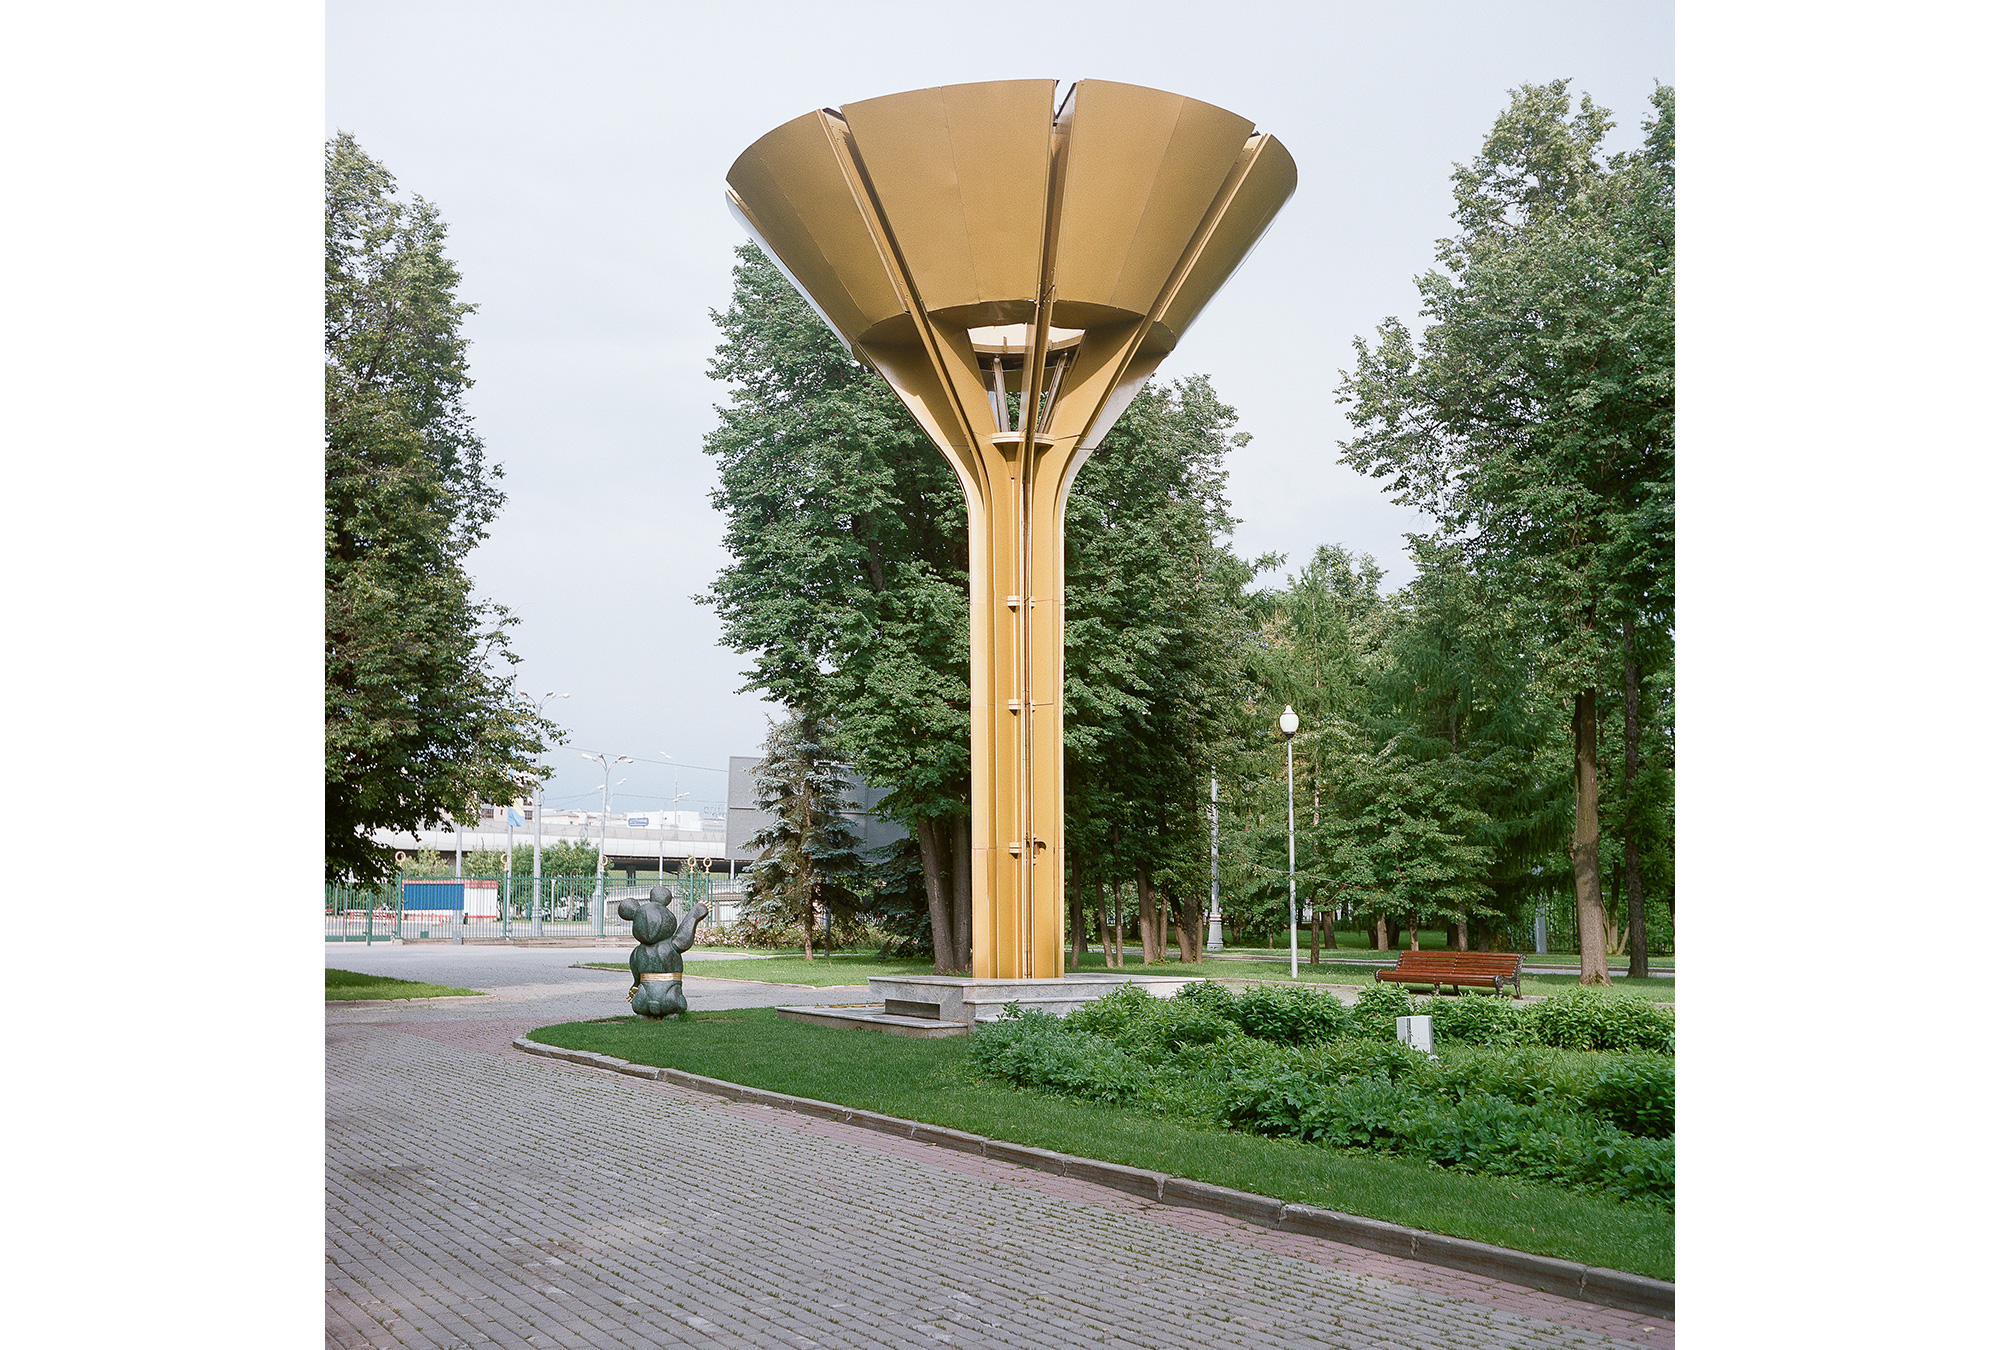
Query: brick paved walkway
476	1196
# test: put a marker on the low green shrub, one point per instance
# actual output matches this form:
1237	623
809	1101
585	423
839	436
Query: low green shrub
1374	1014
1033	1049
1635	1093
1152	1028
1598	1019
1481	1132
1294	1015
1590	1120
1473	1019
1111	1014
1527	1075
1208	994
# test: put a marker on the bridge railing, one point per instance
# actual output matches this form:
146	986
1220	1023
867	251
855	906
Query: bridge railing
504	909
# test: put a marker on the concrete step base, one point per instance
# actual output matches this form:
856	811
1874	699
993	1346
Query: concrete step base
873	1019
953	998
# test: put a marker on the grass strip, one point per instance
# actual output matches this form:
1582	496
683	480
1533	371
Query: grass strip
822	972
931	1081
1654	988
351	984
844	968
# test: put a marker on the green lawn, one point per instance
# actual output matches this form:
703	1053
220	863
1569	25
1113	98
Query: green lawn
843	968
346	984
792	968
929	1080
1431	940
1654	987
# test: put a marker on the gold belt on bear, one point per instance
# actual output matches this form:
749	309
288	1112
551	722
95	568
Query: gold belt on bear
651	975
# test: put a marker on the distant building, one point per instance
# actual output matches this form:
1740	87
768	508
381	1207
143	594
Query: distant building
875	830
635	841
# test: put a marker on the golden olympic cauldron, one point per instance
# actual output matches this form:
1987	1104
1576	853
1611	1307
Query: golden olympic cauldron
1015	270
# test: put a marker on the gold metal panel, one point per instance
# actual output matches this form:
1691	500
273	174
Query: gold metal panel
794	190
960	173
1247	205
1144	167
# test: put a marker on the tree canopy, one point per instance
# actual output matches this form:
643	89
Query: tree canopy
422	719
1449	765
1533	421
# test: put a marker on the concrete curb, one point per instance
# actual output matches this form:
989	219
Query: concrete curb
392	1002
1550	1274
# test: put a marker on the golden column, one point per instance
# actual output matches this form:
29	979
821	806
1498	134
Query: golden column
1015	270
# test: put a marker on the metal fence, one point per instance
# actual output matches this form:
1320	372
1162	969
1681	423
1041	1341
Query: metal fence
504	909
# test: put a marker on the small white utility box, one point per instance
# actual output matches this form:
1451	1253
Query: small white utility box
1414	1032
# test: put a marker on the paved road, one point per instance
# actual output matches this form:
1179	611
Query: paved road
477	1196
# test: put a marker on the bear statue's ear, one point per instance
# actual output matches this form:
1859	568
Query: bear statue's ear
628	909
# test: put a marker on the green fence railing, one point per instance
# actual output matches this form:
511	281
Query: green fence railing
490	908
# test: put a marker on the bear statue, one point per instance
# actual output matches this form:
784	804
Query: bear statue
656	962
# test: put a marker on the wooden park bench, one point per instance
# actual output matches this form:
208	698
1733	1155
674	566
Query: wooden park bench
1472	970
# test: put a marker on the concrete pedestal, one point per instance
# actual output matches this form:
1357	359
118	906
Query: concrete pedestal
947	1004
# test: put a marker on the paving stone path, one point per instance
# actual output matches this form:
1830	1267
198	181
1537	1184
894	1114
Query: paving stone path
480	1197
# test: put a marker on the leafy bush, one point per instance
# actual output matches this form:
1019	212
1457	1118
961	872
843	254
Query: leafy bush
1481	1132
1031	1049
1109	1015
1374	1014
1208	994
1636	1094
1582	1118
1598	1019
1473	1019
1294	1015
1152	1028
1351	1057
1527	1075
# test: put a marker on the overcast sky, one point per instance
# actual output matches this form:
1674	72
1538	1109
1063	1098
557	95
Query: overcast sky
578	152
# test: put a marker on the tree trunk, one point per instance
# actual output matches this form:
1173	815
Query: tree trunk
1117	924
1413	930
1383	940
1079	936
1314	925
961	893
943	941
1149	920
812	912
1103	925
1187	924
1583	845
1461	932
1635	892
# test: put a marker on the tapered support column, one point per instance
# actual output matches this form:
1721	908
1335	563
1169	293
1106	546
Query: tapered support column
1015	266
1017	802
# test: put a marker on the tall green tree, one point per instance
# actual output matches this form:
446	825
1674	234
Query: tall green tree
422	719
1534	420
847	580
1156	649
808	866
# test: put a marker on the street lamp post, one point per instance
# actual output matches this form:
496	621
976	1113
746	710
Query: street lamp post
673	808
1288	723
1214	871
537	901
603	819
